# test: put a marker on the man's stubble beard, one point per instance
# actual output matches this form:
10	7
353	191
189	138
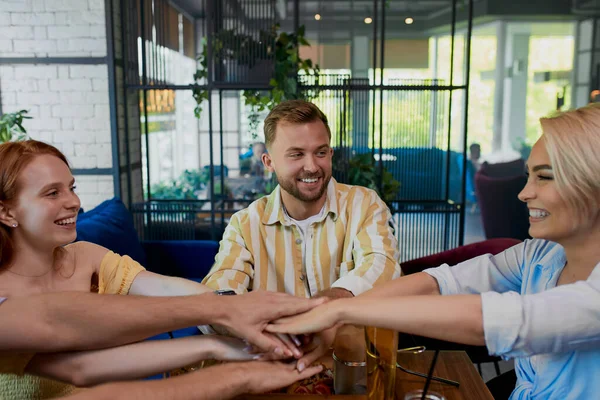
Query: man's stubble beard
295	192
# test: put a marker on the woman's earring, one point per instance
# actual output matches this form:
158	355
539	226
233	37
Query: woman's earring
14	225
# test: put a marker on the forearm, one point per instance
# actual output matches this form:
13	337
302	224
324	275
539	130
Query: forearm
409	285
69	321
218	382
133	361
151	284
452	318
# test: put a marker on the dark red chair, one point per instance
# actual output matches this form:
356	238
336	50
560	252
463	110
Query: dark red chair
502	213
503	170
478	354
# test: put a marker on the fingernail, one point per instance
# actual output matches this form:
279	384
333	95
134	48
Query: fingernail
300	367
258	357
296	340
288	353
278	351
248	349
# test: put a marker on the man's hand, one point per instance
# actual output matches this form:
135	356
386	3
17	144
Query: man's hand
335	293
247	316
266	376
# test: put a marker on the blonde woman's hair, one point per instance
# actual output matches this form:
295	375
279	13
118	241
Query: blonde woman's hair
572	140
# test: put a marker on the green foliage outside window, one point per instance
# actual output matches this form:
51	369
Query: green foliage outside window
11	126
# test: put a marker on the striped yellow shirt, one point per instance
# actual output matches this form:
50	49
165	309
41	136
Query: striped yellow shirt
351	246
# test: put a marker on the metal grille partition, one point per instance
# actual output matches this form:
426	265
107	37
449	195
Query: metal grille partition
414	149
405	124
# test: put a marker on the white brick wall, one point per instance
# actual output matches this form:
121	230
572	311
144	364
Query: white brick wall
64	107
52	28
69	103
93	189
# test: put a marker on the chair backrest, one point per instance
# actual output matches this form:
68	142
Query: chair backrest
503	170
458	255
502	213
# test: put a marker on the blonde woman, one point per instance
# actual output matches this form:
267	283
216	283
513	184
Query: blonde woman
537	302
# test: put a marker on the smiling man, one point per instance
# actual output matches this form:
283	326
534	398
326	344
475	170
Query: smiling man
312	236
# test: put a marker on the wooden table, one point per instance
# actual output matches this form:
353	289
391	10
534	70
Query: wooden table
454	365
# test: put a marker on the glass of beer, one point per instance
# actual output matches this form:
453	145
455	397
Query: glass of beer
382	347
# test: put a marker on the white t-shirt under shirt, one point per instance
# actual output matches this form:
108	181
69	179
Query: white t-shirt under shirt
303	228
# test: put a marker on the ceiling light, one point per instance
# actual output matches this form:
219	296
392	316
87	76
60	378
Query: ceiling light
368	20
318	17
409	21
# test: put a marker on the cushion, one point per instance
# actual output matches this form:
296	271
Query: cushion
111	225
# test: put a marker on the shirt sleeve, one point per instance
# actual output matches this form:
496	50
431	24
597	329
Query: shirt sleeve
117	273
375	250
500	273
234	263
562	319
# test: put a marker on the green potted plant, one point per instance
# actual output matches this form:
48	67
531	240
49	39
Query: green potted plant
280	47
284	81
11	126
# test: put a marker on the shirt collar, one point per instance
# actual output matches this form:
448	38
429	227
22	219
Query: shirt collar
554	259
274	211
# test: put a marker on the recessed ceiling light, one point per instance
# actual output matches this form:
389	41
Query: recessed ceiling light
409	21
368	20
318	17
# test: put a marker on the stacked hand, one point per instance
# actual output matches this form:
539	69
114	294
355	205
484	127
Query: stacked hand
247	317
270	321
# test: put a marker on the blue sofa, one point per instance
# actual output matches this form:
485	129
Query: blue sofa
111	225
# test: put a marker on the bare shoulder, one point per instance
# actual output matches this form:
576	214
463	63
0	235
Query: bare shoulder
90	252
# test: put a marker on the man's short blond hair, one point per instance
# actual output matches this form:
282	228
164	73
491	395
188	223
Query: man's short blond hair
572	140
292	112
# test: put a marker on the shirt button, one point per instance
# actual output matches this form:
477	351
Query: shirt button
298	241
301	277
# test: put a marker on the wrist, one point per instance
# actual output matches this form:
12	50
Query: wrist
221	309
207	348
243	376
240	377
338	309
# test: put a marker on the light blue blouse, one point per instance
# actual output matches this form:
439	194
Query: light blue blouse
552	332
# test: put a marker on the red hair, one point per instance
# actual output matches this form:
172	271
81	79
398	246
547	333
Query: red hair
14	157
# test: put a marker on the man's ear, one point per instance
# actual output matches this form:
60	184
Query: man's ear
6	216
268	162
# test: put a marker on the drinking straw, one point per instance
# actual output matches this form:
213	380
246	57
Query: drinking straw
430	374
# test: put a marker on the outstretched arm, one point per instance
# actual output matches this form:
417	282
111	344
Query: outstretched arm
54	322
137	360
218	382
453	318
562	319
